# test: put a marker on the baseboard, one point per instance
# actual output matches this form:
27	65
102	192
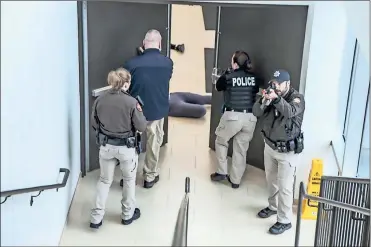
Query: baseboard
296	201
69	209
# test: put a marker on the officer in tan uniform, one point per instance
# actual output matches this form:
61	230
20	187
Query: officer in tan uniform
281	110
240	87
116	117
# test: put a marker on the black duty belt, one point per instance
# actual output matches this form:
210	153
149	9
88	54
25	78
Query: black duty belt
119	142
248	110
128	141
280	146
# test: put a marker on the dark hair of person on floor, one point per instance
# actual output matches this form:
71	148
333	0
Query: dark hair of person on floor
242	59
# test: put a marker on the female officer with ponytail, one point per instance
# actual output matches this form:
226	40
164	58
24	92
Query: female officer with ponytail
240	87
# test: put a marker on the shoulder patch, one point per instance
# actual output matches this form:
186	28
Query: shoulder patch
296	100
139	108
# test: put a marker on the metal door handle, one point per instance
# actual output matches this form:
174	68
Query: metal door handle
215	74
99	91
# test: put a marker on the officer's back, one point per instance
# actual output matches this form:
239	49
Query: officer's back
116	117
114	110
151	73
237	122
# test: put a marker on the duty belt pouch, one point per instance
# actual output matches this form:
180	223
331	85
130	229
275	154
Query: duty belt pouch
281	147
284	147
291	146
130	142
299	145
102	139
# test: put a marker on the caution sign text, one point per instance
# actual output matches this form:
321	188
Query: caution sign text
310	208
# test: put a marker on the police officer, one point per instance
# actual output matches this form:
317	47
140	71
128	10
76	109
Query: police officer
151	74
281	110
116	117
240	88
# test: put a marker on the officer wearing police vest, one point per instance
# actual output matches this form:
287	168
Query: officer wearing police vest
116	117
240	88
281	110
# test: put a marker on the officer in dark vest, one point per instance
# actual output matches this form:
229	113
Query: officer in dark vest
240	87
281	110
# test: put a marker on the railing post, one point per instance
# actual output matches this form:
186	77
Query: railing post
333	216
180	237
319	213
298	214
187	185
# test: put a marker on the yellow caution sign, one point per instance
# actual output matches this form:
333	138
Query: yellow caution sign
310	208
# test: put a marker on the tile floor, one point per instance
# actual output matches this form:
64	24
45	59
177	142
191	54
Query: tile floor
219	215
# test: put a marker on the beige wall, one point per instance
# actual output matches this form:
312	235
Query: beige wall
189	68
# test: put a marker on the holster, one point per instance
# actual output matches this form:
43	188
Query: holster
100	139
138	142
299	143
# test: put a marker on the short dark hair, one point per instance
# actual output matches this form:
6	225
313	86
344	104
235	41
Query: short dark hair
242	59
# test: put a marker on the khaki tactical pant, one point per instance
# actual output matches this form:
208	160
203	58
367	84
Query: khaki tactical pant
154	135
280	171
108	156
241	127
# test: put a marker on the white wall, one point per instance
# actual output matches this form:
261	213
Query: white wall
39	117
329	68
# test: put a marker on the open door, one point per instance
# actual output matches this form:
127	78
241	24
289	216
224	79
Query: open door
112	32
273	36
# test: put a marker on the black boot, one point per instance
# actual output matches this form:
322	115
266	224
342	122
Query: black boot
136	216
234	186
96	226
266	212
279	228
149	185
218	177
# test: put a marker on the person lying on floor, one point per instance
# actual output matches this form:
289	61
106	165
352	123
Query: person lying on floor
186	104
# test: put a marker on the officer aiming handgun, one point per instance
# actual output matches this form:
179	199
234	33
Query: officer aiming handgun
267	91
281	112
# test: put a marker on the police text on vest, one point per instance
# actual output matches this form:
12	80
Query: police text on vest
243	81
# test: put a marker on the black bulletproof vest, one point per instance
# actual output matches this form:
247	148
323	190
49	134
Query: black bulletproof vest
242	88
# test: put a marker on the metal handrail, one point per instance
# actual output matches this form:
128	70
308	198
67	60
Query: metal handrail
303	195
40	189
181	227
347	179
340	170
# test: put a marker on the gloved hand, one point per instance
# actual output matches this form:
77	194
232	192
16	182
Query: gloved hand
140	50
179	48
227	71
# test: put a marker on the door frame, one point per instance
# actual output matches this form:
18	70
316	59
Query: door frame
84	80
83	56
307	39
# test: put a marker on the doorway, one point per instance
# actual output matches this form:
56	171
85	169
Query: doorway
111	32
273	35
